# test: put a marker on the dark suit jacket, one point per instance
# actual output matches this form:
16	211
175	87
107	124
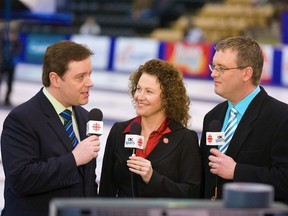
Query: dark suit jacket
176	166
259	146
37	159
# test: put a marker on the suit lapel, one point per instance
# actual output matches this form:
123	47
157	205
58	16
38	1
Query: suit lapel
54	121
167	143
81	122
245	126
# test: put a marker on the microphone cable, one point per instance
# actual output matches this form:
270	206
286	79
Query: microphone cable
132	178
215	126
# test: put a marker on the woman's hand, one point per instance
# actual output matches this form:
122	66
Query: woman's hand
140	166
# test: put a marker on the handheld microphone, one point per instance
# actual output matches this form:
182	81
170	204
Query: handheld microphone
95	124
134	139
215	136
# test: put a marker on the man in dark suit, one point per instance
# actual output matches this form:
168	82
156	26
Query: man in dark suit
39	160
258	149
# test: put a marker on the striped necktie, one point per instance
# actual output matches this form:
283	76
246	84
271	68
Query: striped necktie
230	129
67	115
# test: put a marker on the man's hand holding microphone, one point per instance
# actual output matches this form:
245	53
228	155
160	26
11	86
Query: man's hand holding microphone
89	148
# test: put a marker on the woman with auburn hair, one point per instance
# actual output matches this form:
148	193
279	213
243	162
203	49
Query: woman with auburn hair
169	165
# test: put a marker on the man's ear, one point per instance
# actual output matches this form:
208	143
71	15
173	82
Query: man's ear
54	79
248	73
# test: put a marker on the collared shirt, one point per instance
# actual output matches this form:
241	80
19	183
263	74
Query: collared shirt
241	107
59	109
154	137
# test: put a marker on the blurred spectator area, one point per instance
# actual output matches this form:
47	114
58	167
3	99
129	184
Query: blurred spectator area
233	18
224	19
216	18
114	17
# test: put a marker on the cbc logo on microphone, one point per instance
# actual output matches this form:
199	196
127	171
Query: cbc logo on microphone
215	138
134	141
140	142
96	127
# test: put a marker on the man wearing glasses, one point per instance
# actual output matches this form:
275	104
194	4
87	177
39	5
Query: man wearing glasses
254	123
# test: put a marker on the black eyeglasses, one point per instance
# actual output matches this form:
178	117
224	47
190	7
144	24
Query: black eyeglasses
222	70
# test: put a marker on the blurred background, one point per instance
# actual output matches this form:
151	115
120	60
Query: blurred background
126	33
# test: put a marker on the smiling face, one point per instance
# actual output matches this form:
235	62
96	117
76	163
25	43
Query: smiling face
73	88
148	97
